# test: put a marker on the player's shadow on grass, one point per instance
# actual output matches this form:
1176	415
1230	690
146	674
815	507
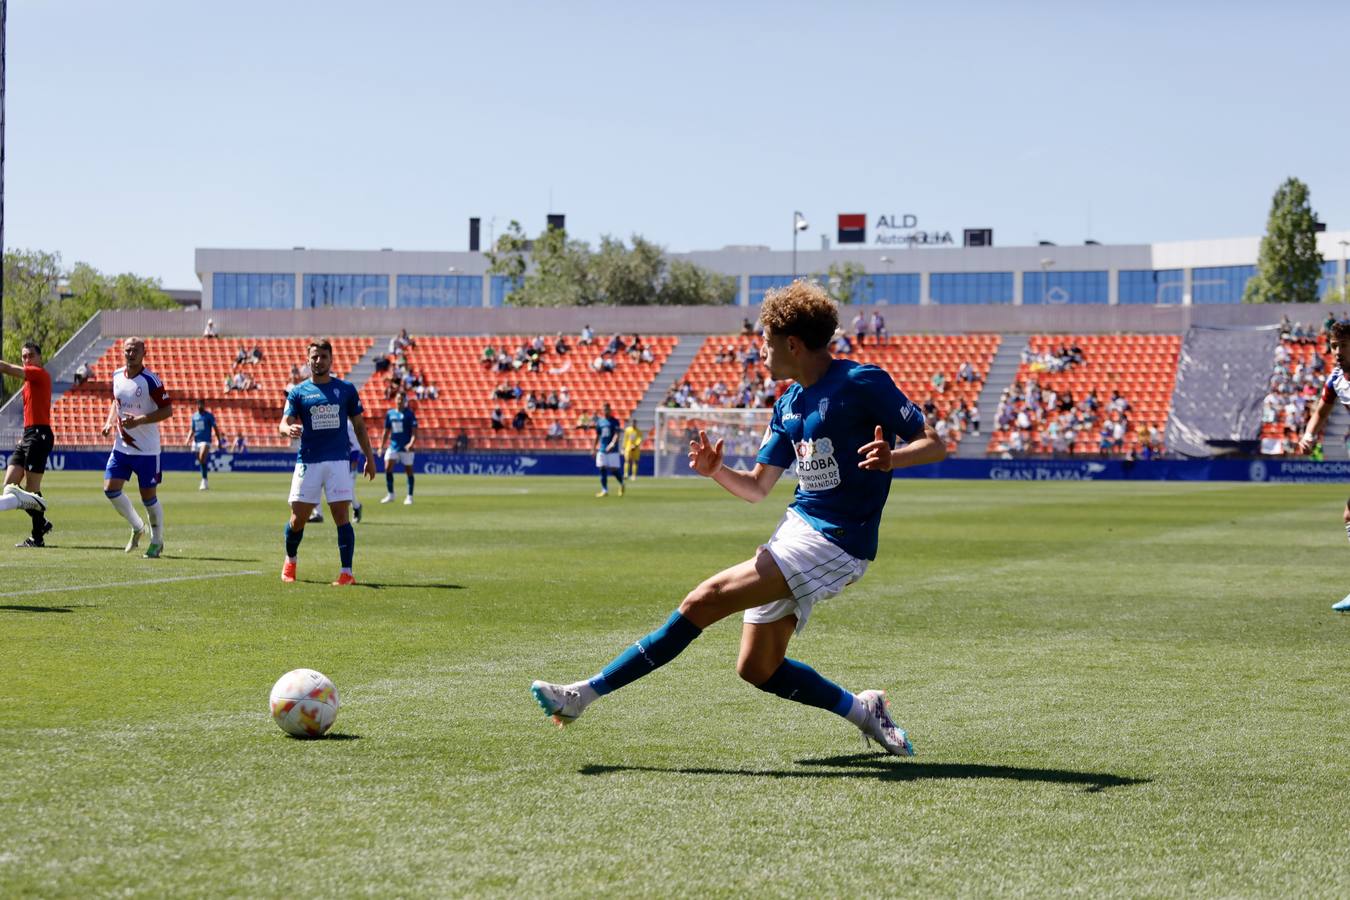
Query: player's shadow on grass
885	768
381	585
331	736
46	609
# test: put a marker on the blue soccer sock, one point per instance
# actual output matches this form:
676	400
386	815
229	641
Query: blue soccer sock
647	654
801	683
618	473
202	466
410	483
389	479
604	479
346	536
293	539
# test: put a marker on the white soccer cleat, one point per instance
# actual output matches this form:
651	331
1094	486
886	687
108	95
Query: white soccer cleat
136	535
407	501
881	727
27	499
564	706
202	486
1343	606
387	498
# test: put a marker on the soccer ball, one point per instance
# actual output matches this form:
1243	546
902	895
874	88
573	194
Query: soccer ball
304	703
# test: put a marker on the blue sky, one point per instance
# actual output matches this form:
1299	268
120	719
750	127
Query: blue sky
139	131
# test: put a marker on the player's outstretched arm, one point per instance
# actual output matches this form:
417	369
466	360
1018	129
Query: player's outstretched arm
1317	423
705	458
878	455
11	370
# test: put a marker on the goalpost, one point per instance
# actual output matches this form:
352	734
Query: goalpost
742	430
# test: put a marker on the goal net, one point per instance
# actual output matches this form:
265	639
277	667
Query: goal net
742	430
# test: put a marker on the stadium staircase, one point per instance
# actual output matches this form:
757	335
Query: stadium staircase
1002	371
681	355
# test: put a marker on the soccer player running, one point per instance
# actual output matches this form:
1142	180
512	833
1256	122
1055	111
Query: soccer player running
317	412
839	422
1336	390
140	402
608	433
23	476
400	433
199	438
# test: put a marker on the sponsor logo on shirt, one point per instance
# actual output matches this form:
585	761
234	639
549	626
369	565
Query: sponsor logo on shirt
325	416
817	469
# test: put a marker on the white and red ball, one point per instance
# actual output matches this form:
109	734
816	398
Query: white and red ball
304	703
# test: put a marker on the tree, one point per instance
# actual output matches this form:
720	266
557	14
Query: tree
555	271
46	304
843	281
1289	266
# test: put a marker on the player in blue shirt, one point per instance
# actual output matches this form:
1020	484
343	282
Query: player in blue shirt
608	458
400	433
199	437
317	412
839	423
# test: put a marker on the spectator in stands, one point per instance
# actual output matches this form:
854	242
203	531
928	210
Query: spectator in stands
587	336
615	345
425	389
240	356
1017	443
532	401
878	327
503	392
295	378
539	345
401	343
603	363
1286	328
83	374
555	431
1282	355
560	345
461	441
255	356
842	345
497	420
382	365
210	330
973	417
505	361
240	444
752	355
860	327
550	401
747	328
585	422
564	399
520	420
646	356
966	373
488	358
939	382
635	346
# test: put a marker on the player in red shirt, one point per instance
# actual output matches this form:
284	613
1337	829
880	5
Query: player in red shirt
23	477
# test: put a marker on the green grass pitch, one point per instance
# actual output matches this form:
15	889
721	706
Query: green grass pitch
1114	690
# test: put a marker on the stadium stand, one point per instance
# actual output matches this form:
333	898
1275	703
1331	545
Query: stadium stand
721	376
465	387
1301	366
1222	375
1091	370
192	369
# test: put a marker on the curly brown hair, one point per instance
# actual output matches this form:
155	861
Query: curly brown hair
1340	332
802	310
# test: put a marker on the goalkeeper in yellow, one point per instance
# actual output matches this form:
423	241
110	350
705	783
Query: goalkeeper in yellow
632	448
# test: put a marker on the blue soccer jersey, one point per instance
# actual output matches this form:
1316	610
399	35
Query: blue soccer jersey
400	425
821	429
203	423
606	428
323	411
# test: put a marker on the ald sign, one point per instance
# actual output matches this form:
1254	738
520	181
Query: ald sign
891	229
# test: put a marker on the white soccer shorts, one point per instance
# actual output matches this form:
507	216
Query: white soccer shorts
403	457
605	460
331	478
199	446
815	570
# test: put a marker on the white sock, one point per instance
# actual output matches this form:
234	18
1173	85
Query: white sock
857	713
1347	525
122	503
155	513
9	501
588	694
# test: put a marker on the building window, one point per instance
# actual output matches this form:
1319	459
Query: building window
886	290
1151	286
952	288
346	291
1331	278
1064	287
1220	284
415	291
502	287
759	284
250	290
